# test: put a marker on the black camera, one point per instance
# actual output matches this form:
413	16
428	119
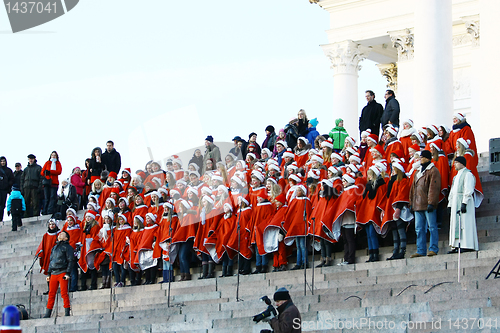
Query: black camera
270	312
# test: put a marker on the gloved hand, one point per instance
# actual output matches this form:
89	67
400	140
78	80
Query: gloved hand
430	208
463	209
47	173
270	312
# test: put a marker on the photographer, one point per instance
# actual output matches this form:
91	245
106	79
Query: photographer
288	320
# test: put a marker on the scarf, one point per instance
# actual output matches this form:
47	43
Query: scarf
53	165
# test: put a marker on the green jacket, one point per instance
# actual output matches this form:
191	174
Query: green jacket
338	135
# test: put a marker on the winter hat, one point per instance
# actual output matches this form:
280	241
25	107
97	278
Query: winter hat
289	153
295	177
32	156
112	174
281	198
434	129
337	156
151	216
274	167
379	149
350	140
303	140
461	160
317	158
127	170
438	144
415	147
427	154
313	173
459	116
251	134
140	218
409	122
375	170
398	166
236	138
281	295
464	142
222	188
283	143
373	137
124	217
266	151
209	138
356	158
366	133
348	178
392	130
314	122
257	174
337	121
327	143
71	210
228	206
270	128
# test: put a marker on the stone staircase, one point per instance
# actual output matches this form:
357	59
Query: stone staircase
408	295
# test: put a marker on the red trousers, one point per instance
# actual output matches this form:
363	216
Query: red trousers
280	256
54	283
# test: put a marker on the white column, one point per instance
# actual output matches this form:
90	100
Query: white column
490	72
345	58
402	40
433	99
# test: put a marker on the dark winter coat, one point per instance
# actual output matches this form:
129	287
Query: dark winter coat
62	258
31	177
391	112
197	160
302	127
292	134
96	167
6	177
288	320
17	177
370	117
112	160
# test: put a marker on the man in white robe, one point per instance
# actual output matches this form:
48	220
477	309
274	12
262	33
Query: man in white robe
462	210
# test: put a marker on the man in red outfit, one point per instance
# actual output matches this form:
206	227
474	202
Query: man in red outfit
61	264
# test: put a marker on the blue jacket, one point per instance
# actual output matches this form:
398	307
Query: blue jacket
311	135
15	195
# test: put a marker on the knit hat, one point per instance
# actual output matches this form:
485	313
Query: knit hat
337	121
314	122
270	128
251	134
32	156
327	143
427	154
210	138
461	160
127	170
281	295
112	174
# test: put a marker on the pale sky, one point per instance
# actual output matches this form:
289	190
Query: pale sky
166	74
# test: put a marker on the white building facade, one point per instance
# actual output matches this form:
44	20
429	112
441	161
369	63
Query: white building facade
439	56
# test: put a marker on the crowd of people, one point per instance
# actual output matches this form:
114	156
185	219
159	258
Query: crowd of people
298	190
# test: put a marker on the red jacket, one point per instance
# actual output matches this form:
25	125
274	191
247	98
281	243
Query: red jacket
54	174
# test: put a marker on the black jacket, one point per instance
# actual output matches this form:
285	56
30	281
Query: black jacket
6	177
69	200
391	112
62	258
370	117
112	160
17	177
95	168
31	177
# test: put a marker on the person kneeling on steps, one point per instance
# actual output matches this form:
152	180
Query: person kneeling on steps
60	266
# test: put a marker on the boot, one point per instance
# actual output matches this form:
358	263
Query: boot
258	269
264	269
321	263
370	259
67	312
224	271
105	282
401	254
183	276
48	312
376	255
188	276
211	269
328	261
395	254
205	271
229	270
47	292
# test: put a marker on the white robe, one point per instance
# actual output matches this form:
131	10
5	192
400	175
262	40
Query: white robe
465	190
